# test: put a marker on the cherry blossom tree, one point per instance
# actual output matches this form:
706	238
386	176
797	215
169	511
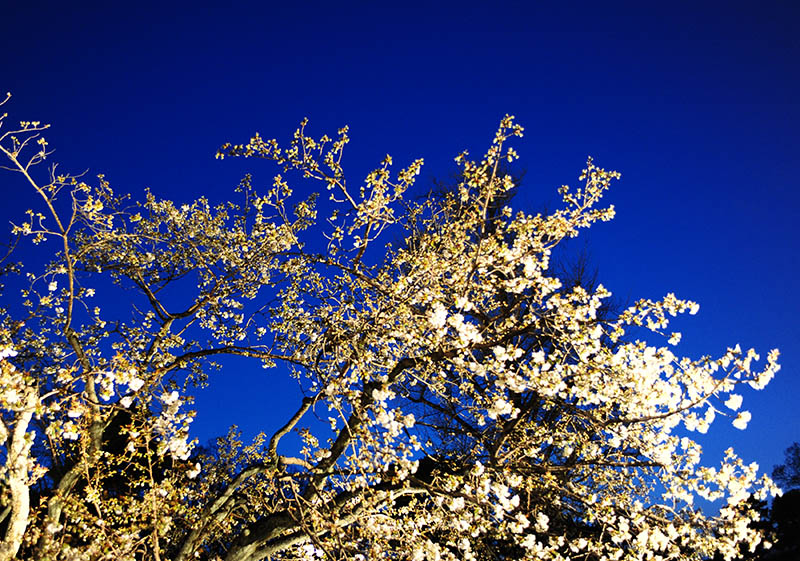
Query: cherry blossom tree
571	422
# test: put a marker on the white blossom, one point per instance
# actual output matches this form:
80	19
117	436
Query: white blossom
734	401
438	316
741	420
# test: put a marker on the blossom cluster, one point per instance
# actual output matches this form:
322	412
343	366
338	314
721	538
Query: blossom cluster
461	398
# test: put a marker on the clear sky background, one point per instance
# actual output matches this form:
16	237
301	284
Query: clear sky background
697	104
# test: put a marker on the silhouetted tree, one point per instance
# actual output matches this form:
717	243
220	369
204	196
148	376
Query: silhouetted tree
787	474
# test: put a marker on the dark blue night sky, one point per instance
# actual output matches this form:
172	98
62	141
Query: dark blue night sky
696	104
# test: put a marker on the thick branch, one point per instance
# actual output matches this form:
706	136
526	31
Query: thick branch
265	539
272	451
229	350
17	463
215	512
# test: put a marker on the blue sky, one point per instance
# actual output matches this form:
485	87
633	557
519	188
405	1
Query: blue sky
696	104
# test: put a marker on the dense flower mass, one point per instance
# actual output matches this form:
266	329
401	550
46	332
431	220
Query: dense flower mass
474	404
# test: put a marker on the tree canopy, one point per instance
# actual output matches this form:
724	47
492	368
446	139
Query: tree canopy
788	473
459	400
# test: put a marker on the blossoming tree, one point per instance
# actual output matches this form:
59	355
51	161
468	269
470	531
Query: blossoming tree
570	428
